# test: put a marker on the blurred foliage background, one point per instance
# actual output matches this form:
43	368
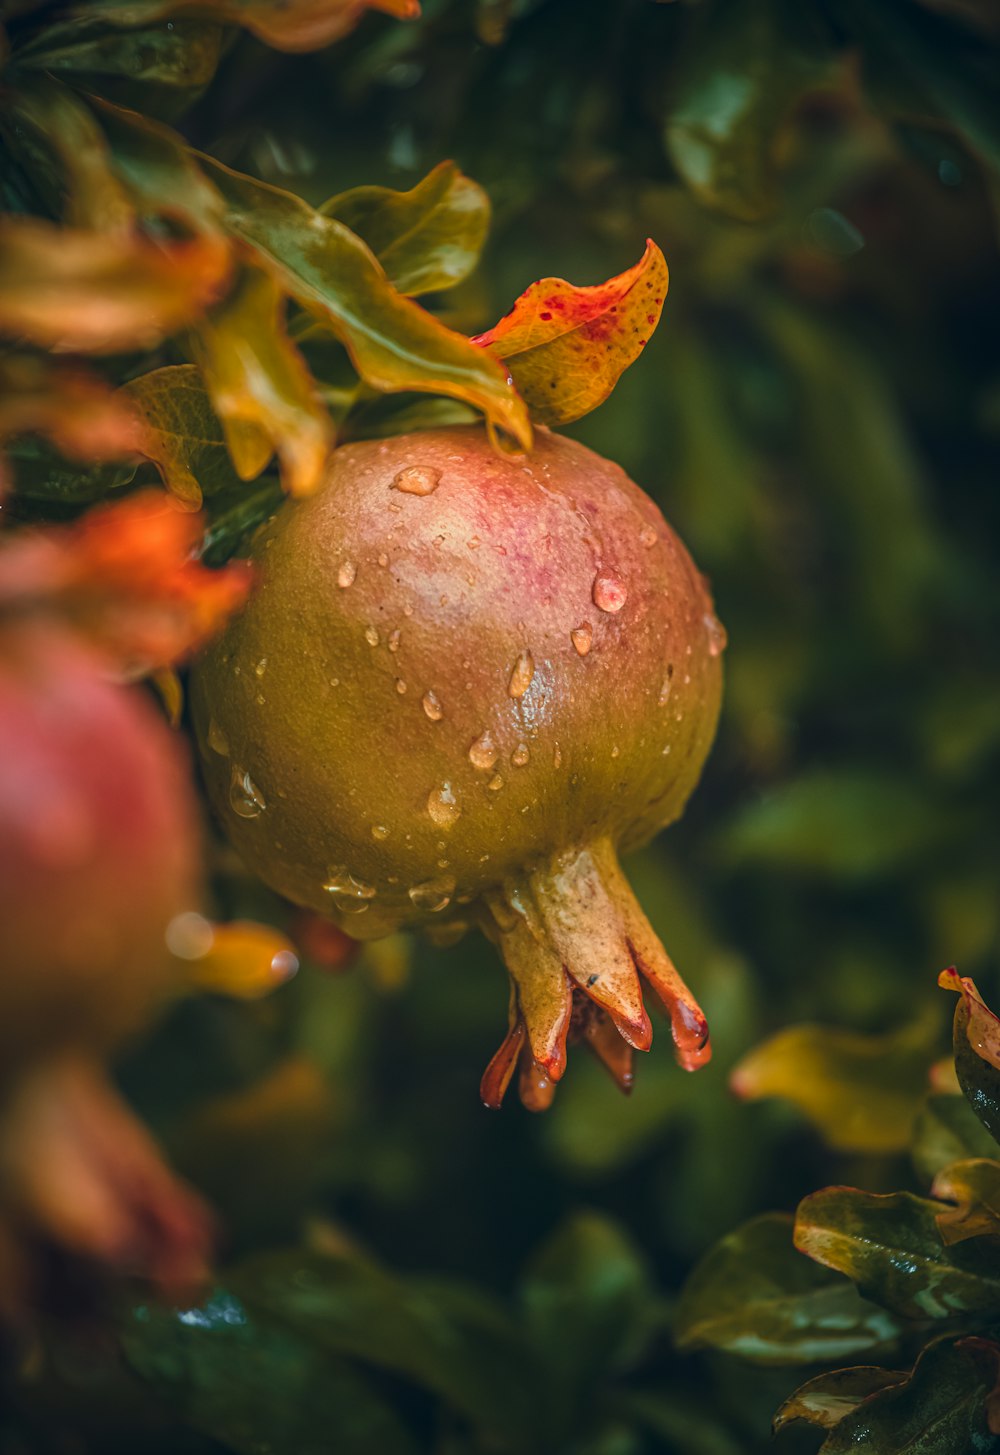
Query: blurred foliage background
818	415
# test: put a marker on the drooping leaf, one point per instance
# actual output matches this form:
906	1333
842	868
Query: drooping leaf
825	1400
182	57
260	387
891	1247
942	1407
977	1050
739	78
76	291
449	1340
288	25
254	1384
947	1130
393	342
755	1296
426	239
567	347
186	440
974	1186
862	1093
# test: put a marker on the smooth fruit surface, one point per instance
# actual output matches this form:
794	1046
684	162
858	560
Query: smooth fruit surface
459	672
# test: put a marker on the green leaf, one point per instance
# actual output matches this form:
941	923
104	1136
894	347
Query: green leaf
739	78
159	170
254	1385
394	343
948	1130
940	1408
188	445
233	517
288	25
825	1400
426	239
445	1338
260	387
846	824
755	1296
567	347
183	57
40	474
862	1093
976	1040
974	1186
891	1248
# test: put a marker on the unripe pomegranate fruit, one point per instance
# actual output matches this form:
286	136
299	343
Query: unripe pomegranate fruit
463	683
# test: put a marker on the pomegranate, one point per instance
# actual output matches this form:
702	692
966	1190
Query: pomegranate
465	681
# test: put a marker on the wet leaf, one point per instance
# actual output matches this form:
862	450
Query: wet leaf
260	387
182	57
739	80
288	25
891	1247
977	1050
394	343
862	1093
186	442
452	1341
755	1296
567	347
241	959
426	239
75	291
843	825
825	1400
255	1384
974	1186
948	1130
940	1408
233	517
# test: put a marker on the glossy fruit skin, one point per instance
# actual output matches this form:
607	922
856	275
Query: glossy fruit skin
99	849
537	604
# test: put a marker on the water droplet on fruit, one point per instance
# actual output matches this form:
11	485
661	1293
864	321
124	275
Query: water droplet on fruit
383	559
350	895
407	610
557	757
610	592
520	755
371	636
418	480
394	637
245	797
217	739
474	543
345	576
400	686
495	783
717	637
443	807
666	688
582	636
521	675
615	751
433	895
379	832
432	707
648	537
261	667
483	753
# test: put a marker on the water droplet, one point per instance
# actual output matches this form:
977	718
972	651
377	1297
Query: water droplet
260	699
432	707
483	753
383	559
717	637
244	795
379	832
407	610
667	688
394	637
371	636
433	895
648	537
217	739
520	755
261	667
686	679
345	576
334	681
521	675
350	895
400	686
443	807
610	592
615	751
474	543
495	783
582	636
666	752
557	757
417	480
